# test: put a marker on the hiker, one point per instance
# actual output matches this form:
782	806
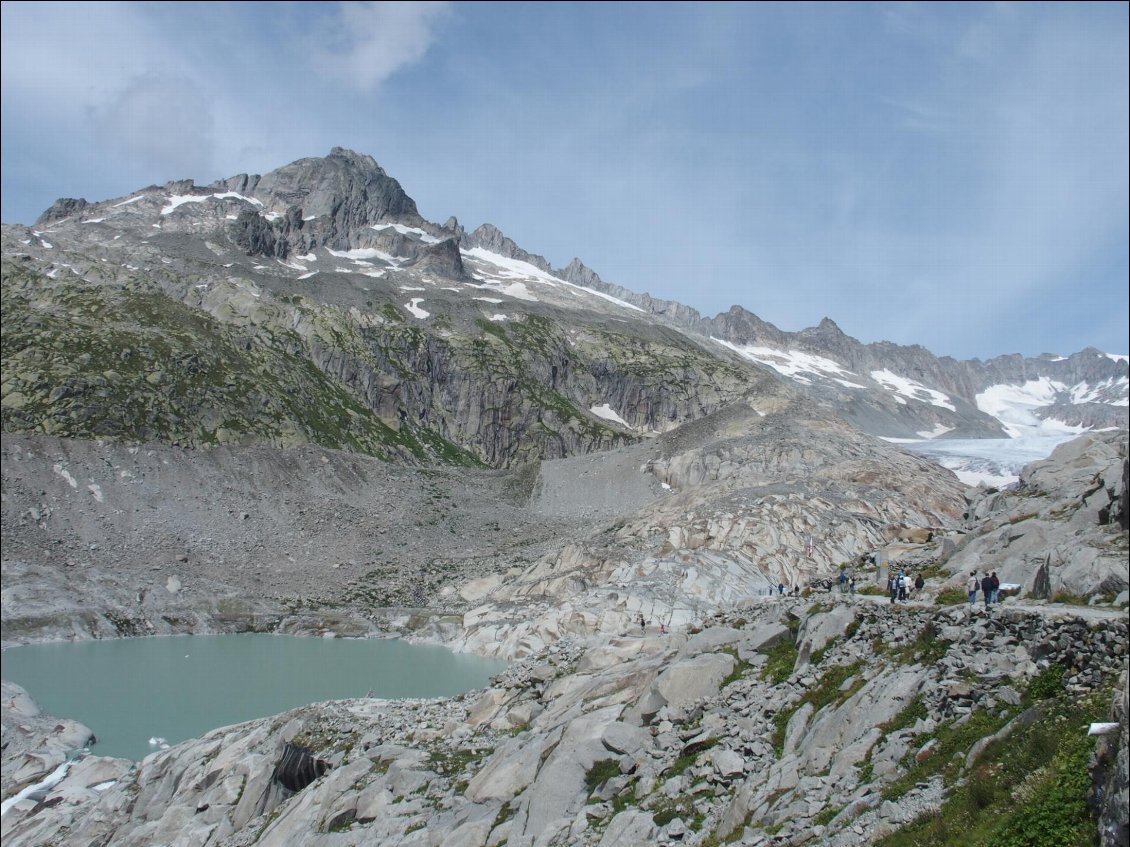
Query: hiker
919	582
851	584
902	586
971	587
662	628
987	588
843	581
892	586
643	626
995	584
780	589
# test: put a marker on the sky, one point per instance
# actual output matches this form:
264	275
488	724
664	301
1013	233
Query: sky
952	175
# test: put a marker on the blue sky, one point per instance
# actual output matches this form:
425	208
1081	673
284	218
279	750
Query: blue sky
953	175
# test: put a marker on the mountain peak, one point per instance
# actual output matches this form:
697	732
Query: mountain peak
361	162
489	237
341	193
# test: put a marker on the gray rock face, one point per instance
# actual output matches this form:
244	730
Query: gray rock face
1111	775
62	209
690	680
821	629
491	238
34	744
677	313
341	194
1057	534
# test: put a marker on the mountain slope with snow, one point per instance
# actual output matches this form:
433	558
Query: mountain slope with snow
471	339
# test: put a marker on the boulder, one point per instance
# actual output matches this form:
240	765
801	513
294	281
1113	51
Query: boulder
626	740
687	681
819	630
630	828
728	764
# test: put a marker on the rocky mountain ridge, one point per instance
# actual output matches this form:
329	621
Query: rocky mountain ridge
283	232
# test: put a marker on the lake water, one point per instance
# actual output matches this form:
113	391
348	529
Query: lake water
131	690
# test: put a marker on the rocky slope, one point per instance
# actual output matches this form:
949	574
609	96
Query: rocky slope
833	724
1062	531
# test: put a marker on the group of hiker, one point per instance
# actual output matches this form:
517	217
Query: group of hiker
900	586
989	585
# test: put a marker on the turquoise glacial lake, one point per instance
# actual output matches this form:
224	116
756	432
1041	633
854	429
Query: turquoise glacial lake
136	694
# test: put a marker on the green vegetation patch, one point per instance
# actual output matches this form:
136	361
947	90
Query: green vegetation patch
914	711
129	363
740	667
926	648
448	762
1069	599
687	759
781	660
600	772
826	692
951	597
1026	790
668	808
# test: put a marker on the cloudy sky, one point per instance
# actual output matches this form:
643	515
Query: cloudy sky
953	175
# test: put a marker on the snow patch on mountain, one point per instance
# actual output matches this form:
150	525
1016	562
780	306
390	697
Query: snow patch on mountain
413	306
794	364
1015	406
604	296
515	269
606	412
510	268
364	253
176	200
909	388
427	238
936	432
517	290
1085	393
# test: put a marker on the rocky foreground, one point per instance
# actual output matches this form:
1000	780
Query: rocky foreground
839	722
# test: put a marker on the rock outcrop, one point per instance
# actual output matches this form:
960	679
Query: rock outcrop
1061	531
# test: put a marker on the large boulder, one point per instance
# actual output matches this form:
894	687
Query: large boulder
687	681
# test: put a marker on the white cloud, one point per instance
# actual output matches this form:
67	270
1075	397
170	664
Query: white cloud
369	42
165	122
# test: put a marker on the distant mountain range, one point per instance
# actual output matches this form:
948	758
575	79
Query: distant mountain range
315	304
